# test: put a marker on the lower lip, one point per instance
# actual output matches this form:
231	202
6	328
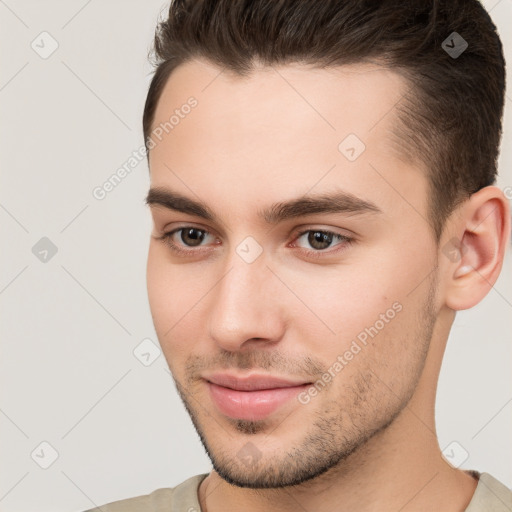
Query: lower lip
251	405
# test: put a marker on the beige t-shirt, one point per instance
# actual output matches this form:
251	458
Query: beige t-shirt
490	496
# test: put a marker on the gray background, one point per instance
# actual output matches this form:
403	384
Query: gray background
69	376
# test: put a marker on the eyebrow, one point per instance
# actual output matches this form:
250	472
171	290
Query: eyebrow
336	202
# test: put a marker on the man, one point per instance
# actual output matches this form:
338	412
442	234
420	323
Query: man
323	203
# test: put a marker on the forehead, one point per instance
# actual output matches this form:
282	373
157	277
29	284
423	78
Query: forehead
286	127
356	98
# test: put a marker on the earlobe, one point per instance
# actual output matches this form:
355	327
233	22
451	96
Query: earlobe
474	263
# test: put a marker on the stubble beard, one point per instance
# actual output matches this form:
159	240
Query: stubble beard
331	439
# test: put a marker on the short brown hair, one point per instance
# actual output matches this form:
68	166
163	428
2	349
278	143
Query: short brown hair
451	117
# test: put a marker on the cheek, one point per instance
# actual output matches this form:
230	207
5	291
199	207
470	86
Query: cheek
172	287
374	301
345	299
173	294
158	286
167	292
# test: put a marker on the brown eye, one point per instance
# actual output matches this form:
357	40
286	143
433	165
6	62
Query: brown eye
189	241
192	237
321	240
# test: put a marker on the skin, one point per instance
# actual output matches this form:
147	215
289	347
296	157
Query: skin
367	441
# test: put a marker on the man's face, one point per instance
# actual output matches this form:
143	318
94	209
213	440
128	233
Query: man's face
344	312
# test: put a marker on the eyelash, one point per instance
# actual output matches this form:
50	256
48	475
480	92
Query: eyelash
167	239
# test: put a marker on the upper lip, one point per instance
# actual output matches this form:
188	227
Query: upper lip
252	382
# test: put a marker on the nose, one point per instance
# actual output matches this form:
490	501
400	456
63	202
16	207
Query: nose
247	307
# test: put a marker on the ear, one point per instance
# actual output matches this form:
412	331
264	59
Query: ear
474	253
